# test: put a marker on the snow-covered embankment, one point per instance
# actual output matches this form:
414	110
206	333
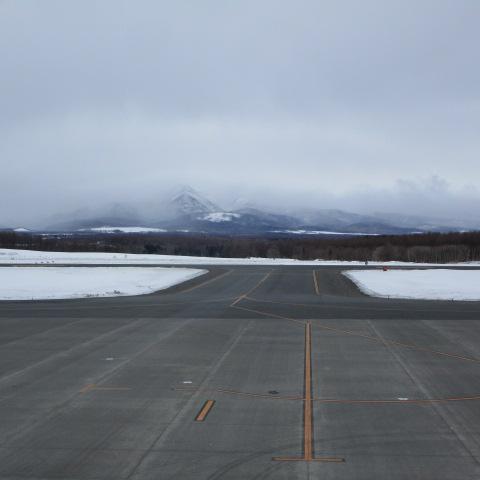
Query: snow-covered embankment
433	284
41	283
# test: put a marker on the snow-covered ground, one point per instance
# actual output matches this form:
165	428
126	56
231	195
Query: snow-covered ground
8	256
438	284
38	283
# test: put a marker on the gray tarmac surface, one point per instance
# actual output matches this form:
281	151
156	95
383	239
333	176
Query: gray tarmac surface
309	379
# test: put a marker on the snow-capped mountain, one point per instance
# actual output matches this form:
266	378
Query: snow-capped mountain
187	201
187	210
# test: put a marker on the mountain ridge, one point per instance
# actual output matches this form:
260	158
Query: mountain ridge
188	210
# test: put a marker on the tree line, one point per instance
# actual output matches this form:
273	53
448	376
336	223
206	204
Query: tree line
428	247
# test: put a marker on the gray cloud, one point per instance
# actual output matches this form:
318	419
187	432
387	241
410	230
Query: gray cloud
325	103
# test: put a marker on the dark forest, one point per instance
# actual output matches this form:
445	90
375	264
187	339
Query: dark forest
430	247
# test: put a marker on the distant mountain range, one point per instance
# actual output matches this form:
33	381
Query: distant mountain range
189	211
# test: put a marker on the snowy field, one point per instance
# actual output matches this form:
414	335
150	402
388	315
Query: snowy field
40	283
8	256
438	284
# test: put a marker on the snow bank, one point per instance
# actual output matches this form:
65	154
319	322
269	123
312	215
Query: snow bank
39	283
438	284
9	256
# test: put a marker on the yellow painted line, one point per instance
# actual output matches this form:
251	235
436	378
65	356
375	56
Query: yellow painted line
335	401
87	388
92	387
272	315
313	459
113	389
315	282
307	404
228	391
241	297
205	410
308	438
354	401
400	344
360	335
207	282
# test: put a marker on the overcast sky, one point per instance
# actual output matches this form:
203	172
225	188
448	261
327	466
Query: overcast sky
363	105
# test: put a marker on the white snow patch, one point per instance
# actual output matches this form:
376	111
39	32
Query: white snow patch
21	230
40	283
12	256
123	230
437	284
218	217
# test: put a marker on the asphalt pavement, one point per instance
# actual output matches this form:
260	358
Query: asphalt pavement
245	373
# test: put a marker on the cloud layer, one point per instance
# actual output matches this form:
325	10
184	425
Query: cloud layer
363	105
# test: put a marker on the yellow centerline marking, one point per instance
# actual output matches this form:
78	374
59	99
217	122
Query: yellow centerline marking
354	401
207	282
360	335
308	438
112	389
92	387
399	344
205	410
241	297
315	282
87	388
272	315
307	409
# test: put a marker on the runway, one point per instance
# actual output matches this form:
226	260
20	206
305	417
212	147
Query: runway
247	372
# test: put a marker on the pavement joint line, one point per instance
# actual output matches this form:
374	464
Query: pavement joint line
60	408
204	411
400	344
74	348
48	330
441	412
245	295
188	404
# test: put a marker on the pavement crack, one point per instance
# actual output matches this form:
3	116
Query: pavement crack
188	405
439	409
